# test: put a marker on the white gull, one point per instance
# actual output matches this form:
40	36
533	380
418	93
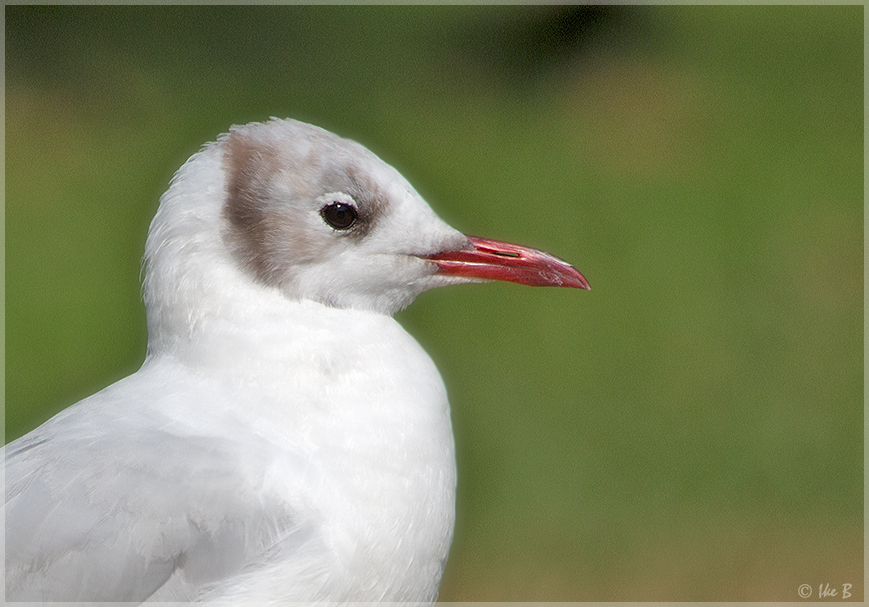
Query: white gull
285	439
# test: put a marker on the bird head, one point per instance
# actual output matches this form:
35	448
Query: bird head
287	210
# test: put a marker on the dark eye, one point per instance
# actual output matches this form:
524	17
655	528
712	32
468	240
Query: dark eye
339	215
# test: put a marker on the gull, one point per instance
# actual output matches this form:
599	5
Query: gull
285	439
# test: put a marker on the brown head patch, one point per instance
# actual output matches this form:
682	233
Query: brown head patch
270	185
249	168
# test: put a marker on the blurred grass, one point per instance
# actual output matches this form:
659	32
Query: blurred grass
691	429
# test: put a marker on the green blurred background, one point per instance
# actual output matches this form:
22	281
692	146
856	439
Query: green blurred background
691	429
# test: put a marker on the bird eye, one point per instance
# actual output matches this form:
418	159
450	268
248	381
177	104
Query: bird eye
339	215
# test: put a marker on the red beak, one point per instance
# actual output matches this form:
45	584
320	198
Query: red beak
494	260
